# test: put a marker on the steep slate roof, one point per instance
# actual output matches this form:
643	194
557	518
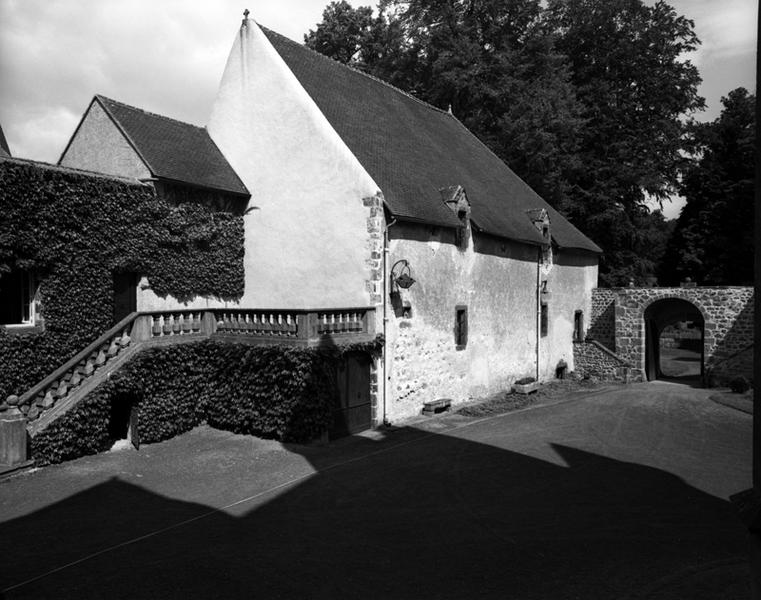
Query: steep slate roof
412	150
174	150
4	149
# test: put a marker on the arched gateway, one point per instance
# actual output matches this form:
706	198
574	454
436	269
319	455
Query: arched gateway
660	350
715	323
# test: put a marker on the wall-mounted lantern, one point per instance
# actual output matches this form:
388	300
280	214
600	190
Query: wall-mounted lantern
401	275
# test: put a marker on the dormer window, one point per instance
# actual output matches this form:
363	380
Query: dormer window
456	199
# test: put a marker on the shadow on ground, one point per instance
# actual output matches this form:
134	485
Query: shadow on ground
439	517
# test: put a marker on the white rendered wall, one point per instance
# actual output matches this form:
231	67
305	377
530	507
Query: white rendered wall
498	284
99	146
307	243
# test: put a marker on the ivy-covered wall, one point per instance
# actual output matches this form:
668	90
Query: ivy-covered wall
74	230
276	392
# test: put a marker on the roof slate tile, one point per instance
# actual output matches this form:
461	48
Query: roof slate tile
412	150
175	150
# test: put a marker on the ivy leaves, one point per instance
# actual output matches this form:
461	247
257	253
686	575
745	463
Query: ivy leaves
74	230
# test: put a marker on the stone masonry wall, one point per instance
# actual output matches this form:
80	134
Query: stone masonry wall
602	325
727	312
594	360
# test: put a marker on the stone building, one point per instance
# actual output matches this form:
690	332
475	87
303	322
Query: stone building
366	199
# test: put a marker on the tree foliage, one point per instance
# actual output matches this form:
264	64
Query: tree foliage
584	99
713	239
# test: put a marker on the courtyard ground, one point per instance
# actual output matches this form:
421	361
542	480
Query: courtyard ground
610	494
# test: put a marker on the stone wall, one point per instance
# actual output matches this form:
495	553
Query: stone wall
602	324
727	313
592	359
496	280
739	364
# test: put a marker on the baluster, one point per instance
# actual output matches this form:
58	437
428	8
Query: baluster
186	318
76	376
113	348
278	324
291	325
125	339
167	329
196	325
156	329
176	324
47	399
100	359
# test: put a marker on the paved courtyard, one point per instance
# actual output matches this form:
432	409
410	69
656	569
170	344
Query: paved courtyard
611	495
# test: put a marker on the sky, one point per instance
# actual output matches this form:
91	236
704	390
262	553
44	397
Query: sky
167	57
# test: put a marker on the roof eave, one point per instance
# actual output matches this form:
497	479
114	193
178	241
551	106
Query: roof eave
242	195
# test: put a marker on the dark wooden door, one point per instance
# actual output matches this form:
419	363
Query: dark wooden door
352	410
125	295
134	431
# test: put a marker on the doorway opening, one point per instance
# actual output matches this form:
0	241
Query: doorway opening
125	294
674	332
123	423
352	408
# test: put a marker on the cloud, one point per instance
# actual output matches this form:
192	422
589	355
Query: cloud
166	56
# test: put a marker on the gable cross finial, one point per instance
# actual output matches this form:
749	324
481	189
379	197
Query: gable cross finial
245	14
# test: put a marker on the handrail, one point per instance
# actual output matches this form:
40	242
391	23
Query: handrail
76	359
28	396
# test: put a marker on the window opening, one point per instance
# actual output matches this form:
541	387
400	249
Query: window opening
544	319
17	290
578	326
461	327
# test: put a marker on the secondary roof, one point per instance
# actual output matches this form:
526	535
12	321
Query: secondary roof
174	150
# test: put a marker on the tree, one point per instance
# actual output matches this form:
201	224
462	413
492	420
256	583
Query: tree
713	239
343	32
486	60
584	99
635	89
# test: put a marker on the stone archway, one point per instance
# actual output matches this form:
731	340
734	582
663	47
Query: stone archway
618	322
666	312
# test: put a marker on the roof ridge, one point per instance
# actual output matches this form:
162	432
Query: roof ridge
147	112
356	70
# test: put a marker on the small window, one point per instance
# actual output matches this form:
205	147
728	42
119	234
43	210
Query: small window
578	326
544	319
17	290
461	327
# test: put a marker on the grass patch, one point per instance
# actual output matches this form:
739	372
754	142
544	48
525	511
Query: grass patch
507	401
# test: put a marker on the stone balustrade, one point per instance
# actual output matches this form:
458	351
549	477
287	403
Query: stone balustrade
61	383
176	323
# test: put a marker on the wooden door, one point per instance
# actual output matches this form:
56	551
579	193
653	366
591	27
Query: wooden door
134	431
352	409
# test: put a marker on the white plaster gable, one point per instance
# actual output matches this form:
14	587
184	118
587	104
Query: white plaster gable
99	145
263	115
309	243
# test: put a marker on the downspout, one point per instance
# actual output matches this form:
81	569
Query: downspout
538	306
386	295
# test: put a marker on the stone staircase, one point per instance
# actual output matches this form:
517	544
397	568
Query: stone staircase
46	401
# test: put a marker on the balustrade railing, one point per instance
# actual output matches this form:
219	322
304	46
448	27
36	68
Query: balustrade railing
176	323
293	327
259	323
